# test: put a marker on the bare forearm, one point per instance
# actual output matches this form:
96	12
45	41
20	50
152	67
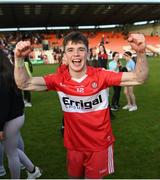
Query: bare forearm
141	68
20	73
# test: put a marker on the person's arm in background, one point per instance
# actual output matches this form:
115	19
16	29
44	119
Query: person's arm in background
23	80
140	74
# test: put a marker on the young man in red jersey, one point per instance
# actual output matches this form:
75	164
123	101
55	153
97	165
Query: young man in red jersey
83	96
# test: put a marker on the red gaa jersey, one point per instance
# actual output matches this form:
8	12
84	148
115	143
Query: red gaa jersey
85	107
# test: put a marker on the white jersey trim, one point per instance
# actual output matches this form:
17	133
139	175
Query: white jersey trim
83	104
110	160
81	79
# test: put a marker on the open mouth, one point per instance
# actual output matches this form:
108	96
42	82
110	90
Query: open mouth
76	62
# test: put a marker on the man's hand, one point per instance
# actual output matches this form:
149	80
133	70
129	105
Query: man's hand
23	48
1	135
137	42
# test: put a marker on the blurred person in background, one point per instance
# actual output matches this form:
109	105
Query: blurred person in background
102	57
93	59
2	168
129	90
11	121
115	65
27	94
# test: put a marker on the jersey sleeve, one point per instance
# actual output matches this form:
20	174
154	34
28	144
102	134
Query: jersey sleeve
61	68
51	81
54	80
112	78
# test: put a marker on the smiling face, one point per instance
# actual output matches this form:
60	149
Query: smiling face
101	49
126	57
116	57
76	55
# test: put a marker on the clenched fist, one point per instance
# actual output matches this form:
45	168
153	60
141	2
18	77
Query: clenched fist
22	49
137	42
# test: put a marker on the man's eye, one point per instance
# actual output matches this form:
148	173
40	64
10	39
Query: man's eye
69	50
82	49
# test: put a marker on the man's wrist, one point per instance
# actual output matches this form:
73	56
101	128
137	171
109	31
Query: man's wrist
19	62
141	53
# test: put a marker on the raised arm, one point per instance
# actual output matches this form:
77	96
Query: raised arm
140	74
23	80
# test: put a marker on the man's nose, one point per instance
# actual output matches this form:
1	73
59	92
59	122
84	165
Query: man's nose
76	52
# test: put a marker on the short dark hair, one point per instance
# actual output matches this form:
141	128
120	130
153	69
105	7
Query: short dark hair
128	53
114	53
75	37
6	71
